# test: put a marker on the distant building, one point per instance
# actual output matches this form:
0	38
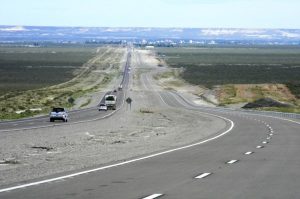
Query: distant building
149	47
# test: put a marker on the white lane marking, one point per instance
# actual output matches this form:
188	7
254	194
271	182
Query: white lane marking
90	135
146	78
248	153
120	164
163	100
271	134
265	142
259	147
268	138
53	152
153	196
232	161
203	175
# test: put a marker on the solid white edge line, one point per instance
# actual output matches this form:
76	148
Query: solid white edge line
232	161
203	175
122	163
153	196
146	78
244	113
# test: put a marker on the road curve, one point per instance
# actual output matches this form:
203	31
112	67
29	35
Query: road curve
256	159
256	156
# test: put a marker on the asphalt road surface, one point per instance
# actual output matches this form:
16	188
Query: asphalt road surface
255	156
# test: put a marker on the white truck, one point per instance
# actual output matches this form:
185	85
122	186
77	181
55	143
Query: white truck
111	101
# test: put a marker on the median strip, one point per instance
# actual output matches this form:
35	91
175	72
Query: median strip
121	163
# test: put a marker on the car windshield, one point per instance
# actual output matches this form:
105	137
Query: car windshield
110	98
58	110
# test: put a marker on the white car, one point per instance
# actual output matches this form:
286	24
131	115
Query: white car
102	107
58	114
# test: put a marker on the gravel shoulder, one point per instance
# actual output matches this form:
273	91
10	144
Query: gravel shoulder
147	127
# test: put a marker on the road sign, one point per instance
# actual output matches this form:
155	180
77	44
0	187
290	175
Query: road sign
128	100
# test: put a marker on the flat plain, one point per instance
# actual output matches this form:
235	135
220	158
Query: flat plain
26	68
34	79
253	70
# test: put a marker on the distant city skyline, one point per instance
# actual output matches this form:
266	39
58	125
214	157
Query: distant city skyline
249	14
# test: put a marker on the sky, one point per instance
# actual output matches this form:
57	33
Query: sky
153	13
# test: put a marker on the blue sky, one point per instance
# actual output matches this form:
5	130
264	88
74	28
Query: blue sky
153	13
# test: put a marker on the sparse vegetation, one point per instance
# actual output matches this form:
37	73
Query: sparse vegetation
93	70
24	68
86	103
146	110
231	68
219	66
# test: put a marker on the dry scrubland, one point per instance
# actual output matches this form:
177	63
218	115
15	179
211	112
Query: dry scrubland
237	75
40	78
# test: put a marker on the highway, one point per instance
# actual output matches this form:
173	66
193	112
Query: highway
75	116
255	156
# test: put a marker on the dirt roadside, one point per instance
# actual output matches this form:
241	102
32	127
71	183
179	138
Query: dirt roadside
148	126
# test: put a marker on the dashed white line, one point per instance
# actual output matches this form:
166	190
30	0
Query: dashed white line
268	138
232	161
153	196
248	153
265	142
259	147
271	134
203	175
